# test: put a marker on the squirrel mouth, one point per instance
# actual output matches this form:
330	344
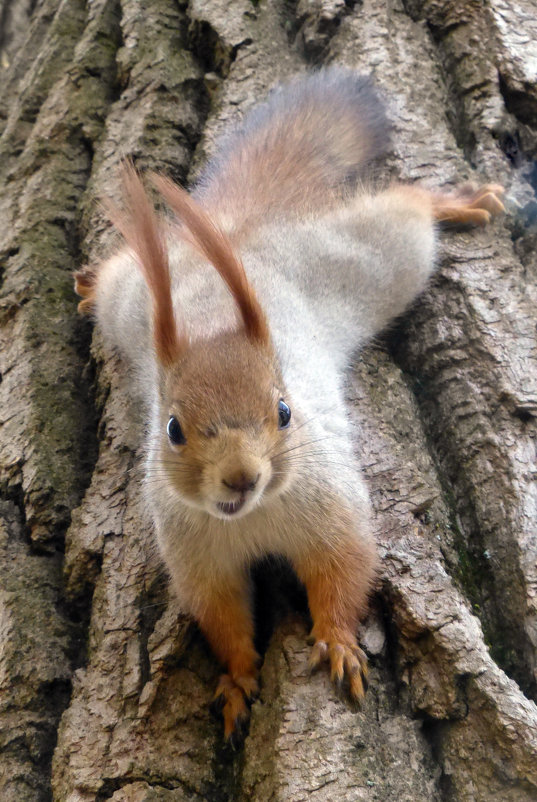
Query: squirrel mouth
231	507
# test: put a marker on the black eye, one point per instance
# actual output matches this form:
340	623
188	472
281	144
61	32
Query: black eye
175	433
284	415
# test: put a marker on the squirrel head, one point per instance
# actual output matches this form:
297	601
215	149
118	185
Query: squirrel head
223	434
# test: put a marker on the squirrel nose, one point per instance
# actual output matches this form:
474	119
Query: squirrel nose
241	483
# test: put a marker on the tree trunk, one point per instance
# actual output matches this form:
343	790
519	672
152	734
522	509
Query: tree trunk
104	686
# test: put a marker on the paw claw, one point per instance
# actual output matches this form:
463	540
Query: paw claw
235	737
319	654
337	663
348	664
232	699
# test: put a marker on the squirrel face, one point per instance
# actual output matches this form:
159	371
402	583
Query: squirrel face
225	427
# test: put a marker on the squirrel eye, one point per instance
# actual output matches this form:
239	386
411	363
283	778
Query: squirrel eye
284	415
175	433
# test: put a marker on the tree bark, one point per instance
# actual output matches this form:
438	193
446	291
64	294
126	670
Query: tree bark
104	685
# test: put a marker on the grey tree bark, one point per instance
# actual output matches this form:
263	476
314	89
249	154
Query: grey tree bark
104	686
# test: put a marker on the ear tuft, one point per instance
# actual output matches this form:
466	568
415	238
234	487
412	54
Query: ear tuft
142	232
212	243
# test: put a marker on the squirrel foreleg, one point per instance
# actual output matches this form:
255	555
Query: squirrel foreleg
338	583
226	621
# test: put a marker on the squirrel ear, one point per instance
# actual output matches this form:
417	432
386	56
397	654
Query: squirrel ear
212	243
142	232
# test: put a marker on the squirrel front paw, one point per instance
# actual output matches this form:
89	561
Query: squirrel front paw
232	699
348	663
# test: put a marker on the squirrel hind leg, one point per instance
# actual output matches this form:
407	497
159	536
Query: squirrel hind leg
468	204
85	282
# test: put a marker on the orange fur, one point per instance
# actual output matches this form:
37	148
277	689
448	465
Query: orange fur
338	584
85	281
468	205
226	622
204	399
232	700
215	246
140	228
465	205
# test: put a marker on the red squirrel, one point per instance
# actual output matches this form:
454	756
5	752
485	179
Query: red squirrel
239	316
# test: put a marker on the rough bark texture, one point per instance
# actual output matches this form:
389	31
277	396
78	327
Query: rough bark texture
104	686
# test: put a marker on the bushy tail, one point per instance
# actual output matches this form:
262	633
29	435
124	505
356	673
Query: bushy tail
297	151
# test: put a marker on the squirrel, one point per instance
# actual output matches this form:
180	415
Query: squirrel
239	314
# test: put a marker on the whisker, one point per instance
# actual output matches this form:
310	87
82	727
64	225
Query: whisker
304	423
301	445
